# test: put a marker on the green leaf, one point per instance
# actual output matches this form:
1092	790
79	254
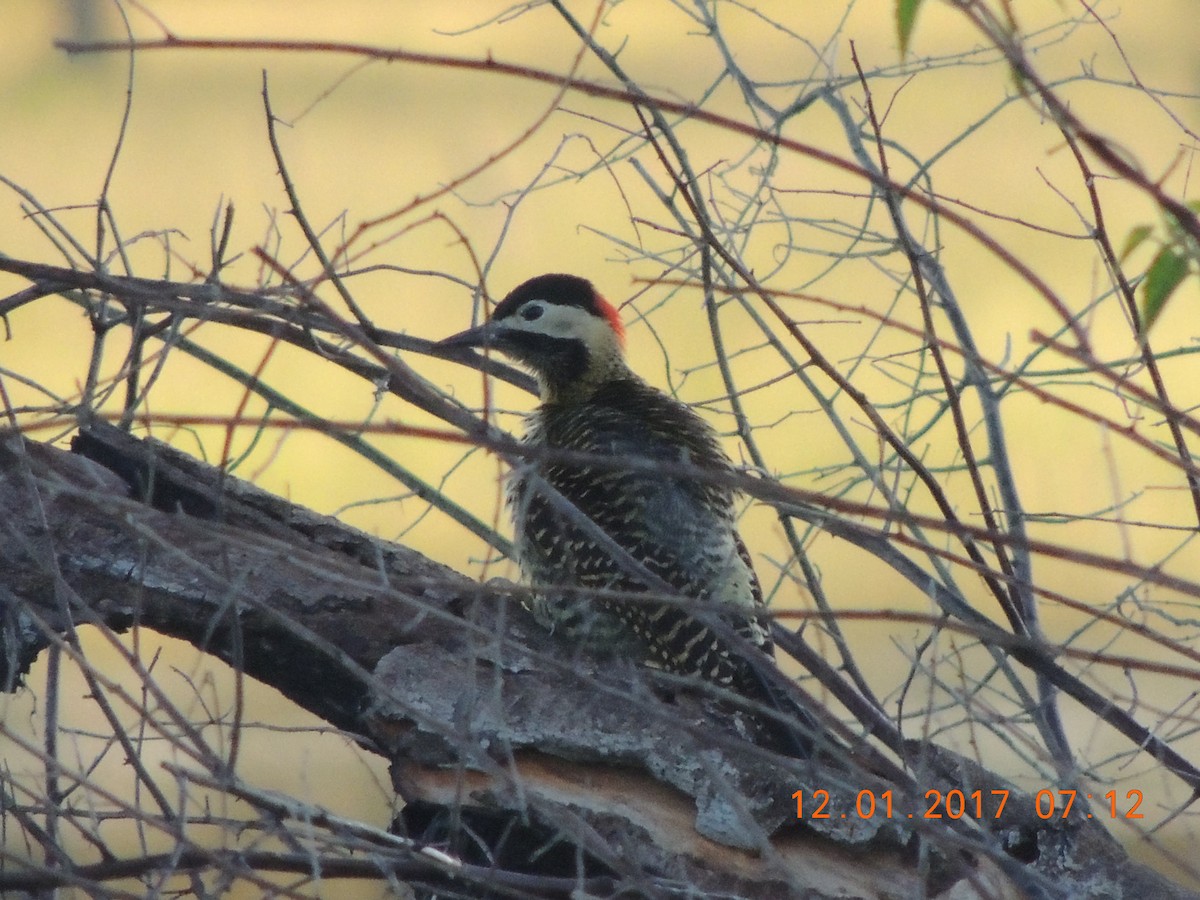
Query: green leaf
1133	240
1164	275
906	18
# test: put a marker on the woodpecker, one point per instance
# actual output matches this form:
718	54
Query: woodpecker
679	529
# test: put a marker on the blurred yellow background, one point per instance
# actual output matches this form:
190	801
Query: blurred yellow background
361	140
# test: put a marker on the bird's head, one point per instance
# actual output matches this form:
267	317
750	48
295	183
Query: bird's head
560	328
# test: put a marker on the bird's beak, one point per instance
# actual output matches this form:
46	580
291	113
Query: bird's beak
479	336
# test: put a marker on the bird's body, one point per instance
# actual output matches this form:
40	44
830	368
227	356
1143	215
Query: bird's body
679	528
599	531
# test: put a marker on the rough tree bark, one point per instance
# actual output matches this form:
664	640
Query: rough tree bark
578	775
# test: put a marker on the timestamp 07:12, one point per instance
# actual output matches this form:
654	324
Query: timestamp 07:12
956	804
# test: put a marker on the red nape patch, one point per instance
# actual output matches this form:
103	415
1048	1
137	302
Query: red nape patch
609	312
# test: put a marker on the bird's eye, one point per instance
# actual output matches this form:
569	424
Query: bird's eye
532	311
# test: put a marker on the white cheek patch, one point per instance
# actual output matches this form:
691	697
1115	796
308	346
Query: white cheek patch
573	324
558	325
564	322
